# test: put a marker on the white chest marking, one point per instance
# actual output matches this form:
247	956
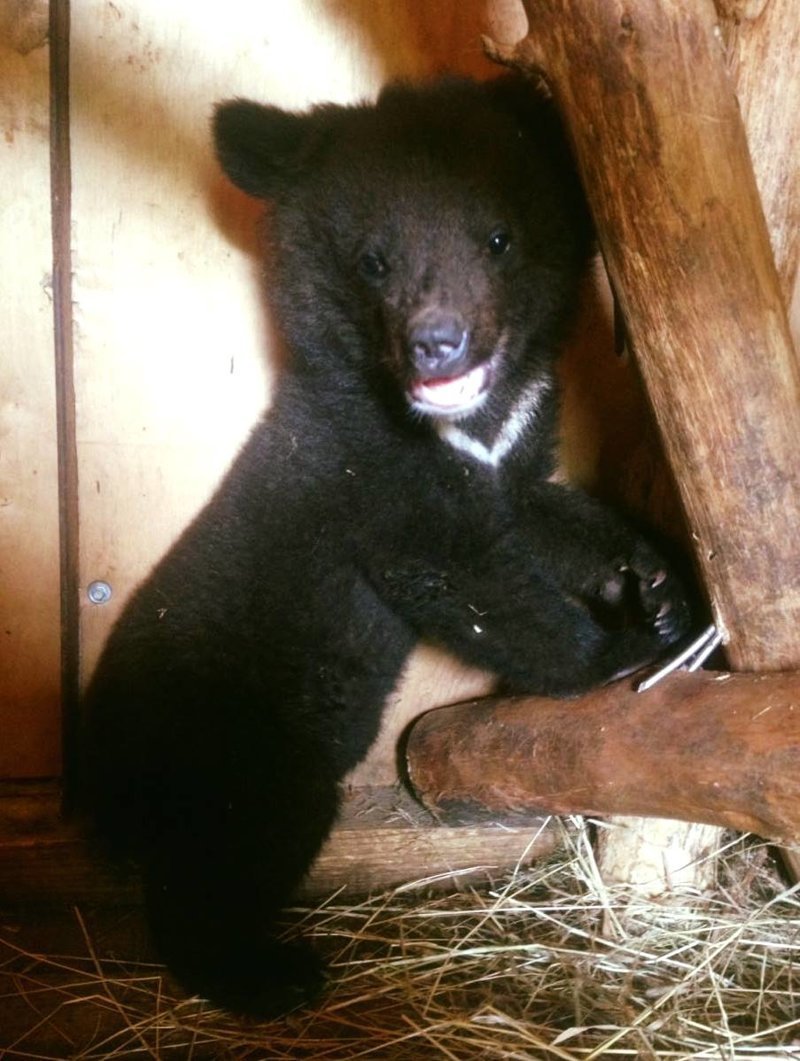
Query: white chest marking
521	415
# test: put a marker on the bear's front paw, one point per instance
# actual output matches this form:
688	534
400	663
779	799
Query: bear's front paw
642	590
659	593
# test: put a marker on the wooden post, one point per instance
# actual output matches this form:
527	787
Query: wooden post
660	143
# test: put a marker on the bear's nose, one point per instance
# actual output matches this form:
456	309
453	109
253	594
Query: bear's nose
438	345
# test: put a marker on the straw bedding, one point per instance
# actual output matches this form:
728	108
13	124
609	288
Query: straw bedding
518	969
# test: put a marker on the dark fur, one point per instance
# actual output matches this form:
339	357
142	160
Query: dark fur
249	672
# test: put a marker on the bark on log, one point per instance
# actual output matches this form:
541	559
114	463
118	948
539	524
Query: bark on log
704	747
661	146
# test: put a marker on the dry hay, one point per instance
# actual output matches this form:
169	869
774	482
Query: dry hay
518	970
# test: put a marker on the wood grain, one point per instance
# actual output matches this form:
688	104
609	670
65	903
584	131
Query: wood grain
717	748
30	721
763	57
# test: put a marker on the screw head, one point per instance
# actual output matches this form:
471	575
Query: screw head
98	592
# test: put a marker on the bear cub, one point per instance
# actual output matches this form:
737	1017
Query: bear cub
423	262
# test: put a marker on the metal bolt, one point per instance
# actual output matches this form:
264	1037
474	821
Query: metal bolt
98	592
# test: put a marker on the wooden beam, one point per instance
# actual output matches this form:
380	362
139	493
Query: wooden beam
383	839
704	747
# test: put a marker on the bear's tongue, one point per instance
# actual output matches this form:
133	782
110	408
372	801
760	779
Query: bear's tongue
451	392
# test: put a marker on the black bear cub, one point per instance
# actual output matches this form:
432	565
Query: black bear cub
424	257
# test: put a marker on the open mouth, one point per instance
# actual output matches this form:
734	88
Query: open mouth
451	395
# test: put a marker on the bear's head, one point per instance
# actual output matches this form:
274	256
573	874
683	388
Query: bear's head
430	243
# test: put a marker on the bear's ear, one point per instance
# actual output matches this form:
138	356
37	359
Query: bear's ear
260	148
529	104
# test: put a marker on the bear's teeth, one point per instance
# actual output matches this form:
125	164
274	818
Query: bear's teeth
452	392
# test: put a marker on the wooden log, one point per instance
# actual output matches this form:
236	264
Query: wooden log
703	747
660	143
430	679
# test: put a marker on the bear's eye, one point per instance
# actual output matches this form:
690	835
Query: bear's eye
498	243
373	265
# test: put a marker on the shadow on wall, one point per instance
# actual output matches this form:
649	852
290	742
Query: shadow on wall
413	39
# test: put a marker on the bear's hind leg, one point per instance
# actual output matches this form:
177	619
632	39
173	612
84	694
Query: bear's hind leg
215	944
217	876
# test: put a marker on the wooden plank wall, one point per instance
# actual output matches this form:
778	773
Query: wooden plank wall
29	539
172	345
